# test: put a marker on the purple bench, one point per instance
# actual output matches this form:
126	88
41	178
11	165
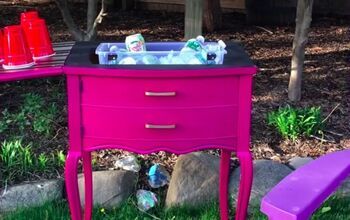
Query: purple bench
299	194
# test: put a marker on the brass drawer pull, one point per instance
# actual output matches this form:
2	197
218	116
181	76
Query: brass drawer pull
160	93
153	126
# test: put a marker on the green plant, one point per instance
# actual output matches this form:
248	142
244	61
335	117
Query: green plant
60	158
9	153
43	120
18	161
6	120
34	113
293	123
15	159
43	161
26	158
41	115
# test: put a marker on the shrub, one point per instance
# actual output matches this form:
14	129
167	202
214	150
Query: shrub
293	122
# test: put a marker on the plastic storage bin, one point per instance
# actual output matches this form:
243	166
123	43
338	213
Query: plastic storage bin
113	53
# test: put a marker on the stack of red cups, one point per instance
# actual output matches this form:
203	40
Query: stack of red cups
37	35
21	44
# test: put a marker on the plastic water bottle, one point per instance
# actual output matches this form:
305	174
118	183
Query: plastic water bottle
215	52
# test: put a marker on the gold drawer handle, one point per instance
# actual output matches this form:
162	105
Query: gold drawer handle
160	93
153	126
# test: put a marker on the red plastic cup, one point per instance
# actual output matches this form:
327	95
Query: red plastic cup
38	38
16	51
28	16
1	46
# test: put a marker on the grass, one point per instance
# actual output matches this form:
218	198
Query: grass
334	208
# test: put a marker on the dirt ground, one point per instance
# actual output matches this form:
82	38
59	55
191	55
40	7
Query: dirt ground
325	83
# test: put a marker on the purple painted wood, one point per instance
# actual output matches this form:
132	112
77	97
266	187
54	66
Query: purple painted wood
51	66
299	194
121	108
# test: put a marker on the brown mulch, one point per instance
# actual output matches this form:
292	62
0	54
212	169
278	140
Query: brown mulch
325	83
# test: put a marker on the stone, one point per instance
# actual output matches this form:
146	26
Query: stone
267	174
195	180
297	162
30	194
110	188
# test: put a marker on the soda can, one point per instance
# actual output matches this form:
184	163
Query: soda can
135	43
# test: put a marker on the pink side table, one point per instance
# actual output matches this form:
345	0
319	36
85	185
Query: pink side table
153	108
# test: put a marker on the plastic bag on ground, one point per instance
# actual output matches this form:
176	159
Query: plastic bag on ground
129	163
158	176
146	199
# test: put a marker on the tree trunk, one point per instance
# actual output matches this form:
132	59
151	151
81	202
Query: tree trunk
212	18
93	19
193	18
67	17
303	21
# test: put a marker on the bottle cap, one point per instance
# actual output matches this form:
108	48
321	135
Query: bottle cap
222	44
200	38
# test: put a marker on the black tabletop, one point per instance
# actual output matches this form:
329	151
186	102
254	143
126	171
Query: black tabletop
83	55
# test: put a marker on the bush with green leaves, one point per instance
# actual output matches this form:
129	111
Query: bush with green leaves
293	123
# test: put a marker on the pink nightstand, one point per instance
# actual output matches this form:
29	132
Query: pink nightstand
145	109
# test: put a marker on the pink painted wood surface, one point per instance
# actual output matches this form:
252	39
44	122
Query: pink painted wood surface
87	168
245	184
71	179
48	67
223	183
158	74
211	109
130	124
74	114
130	92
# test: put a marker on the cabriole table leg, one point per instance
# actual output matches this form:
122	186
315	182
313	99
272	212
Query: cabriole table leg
223	183
245	184
71	175
88	185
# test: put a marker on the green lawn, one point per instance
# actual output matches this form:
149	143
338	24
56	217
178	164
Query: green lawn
334	209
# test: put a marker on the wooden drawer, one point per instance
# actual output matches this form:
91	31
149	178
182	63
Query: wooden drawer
181	124
159	93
